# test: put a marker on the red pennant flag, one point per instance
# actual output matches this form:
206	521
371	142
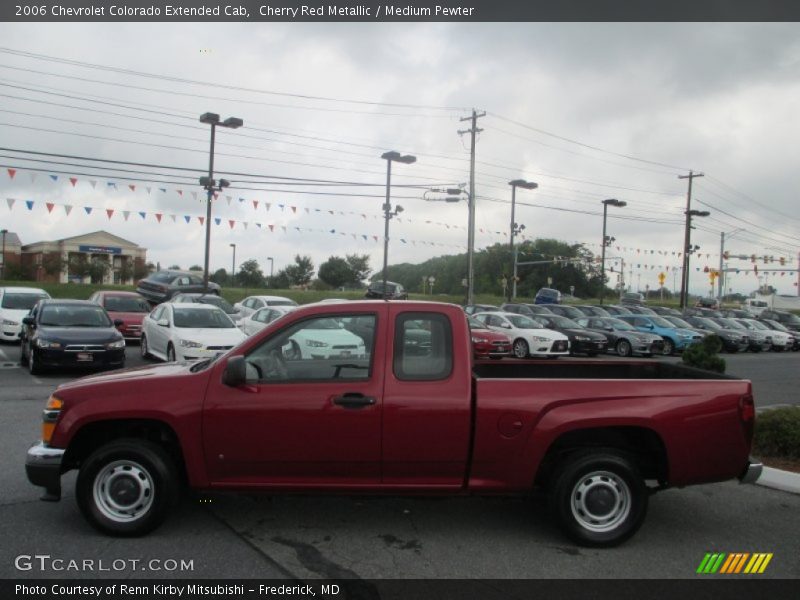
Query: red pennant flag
216	195
73	181
158	217
11	173
109	212
231	222
202	220
271	227
50	206
375	237
180	193
132	187
255	204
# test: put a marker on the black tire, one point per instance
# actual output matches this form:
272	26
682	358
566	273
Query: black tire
607	481
33	364
520	349
23	360
624	348
143	349
591	354
113	474
171	353
669	347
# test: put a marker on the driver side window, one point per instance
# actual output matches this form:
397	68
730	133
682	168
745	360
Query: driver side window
320	348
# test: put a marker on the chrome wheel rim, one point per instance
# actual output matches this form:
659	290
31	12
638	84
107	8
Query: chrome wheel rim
143	346
668	347
624	348
123	491
600	501
520	349
170	355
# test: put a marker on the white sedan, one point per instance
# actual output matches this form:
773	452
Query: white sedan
252	303
324	338
529	337
15	303
176	331
263	317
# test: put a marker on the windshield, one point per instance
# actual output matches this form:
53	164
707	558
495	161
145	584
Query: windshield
746	324
474	323
202	319
777	326
563	322
334	324
219	302
126	304
281	303
15	301
708	323
163	277
679	322
619	324
55	315
730	323
661	322
523	322
755	325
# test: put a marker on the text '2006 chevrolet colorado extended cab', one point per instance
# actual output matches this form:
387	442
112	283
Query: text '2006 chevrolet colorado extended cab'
302	407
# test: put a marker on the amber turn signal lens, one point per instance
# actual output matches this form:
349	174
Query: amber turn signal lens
47	431
54	403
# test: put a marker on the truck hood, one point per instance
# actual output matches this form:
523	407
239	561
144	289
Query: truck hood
140	374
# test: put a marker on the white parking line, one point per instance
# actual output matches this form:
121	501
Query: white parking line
3	356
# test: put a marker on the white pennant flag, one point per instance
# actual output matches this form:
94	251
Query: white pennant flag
148	190
126	214
10	202
245	224
67	208
33	177
228	198
194	195
172	217
94	183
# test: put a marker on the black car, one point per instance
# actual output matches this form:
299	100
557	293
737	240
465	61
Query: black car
71	333
581	340
564	310
212	299
623	337
393	291
737	313
519	309
785	318
699	311
640	310
665	311
615	310
539	309
474	309
632	299
163	285
593	311
733	340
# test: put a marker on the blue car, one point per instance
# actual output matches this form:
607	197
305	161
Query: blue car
675	338
547	296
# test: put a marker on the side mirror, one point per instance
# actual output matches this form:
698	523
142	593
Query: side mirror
163	322
29	321
118	322
651	326
609	329
235	373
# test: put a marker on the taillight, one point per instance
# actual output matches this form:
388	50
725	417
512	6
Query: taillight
50	416
747	414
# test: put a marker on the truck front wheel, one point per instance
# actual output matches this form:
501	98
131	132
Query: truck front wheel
127	487
598	497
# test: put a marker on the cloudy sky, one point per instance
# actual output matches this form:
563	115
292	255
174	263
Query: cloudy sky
588	111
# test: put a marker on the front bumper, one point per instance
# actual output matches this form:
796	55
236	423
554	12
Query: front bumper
752	472
10	333
43	468
105	359
588	347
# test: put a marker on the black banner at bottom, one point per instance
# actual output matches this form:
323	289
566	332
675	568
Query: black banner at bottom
399	589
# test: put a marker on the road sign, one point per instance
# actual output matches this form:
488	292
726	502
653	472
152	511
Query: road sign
661	277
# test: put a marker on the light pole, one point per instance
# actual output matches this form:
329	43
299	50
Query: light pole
387	207
271	263
233	264
688	250
515	228
208	182
606	242
455	195
3	272
721	276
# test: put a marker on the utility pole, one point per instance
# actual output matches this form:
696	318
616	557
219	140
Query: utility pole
471	219
685	273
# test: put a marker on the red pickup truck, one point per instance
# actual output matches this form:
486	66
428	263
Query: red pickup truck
390	415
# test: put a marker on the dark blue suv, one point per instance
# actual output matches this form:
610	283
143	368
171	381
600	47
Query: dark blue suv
547	296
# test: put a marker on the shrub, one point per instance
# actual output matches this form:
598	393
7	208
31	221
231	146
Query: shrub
704	354
778	433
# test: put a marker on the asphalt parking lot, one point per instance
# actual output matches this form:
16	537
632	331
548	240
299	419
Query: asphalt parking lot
364	537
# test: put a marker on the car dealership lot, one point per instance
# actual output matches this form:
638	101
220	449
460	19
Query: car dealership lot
306	536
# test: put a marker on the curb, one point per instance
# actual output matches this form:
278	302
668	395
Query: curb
780	480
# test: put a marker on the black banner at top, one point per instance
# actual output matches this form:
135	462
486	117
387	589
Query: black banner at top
400	11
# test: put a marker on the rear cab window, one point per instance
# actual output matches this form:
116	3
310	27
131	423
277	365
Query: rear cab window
423	347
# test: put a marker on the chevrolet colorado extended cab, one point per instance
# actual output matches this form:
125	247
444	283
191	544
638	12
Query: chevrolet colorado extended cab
396	417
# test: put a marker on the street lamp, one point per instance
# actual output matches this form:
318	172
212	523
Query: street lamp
515	228
387	207
721	275
233	264
606	242
271	263
208	183
3	264
688	250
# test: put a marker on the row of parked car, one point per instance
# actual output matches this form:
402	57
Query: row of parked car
634	329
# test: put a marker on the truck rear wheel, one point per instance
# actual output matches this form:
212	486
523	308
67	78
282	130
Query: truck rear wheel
598	497
127	487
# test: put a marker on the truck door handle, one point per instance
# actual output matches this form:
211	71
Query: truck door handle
353	400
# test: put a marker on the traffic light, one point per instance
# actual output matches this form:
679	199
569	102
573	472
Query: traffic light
726	255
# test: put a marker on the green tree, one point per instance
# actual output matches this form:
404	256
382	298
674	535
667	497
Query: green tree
195	268
53	263
359	268
336	272
220	277
79	266
174	268
125	271
250	274
141	270
301	272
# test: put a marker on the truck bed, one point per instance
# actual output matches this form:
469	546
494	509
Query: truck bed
590	369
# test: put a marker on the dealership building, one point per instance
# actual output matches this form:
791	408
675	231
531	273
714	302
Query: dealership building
41	260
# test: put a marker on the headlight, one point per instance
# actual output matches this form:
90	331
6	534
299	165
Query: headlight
41	343
316	344
582	338
686	336
9	322
479	340
190	344
538	338
115	345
